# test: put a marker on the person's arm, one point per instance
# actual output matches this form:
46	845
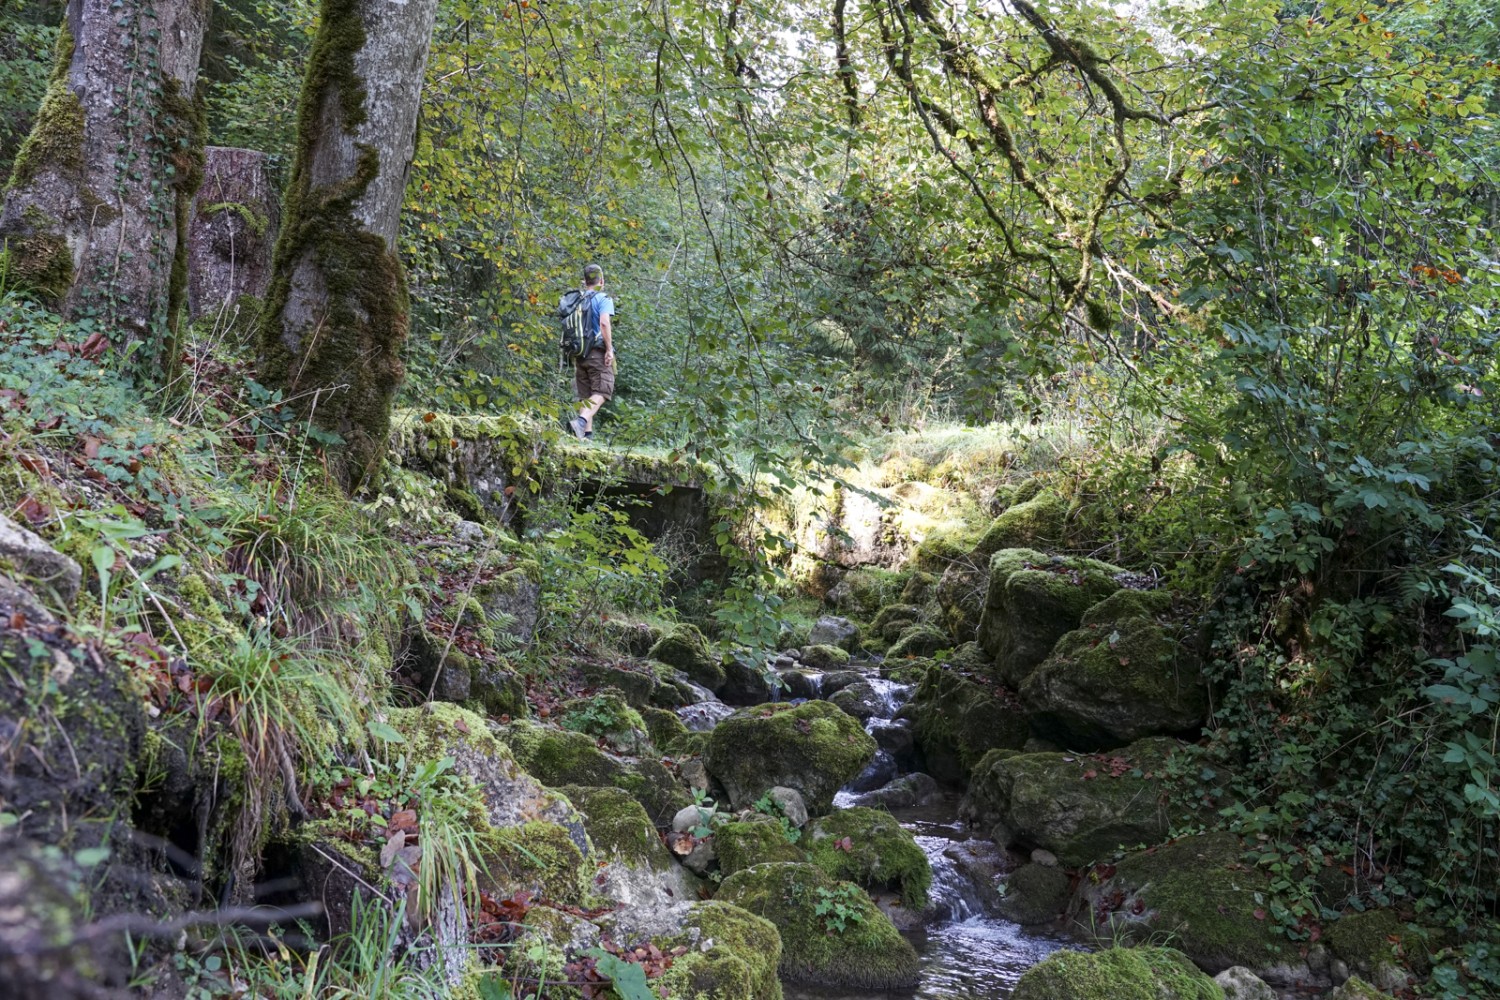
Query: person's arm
606	332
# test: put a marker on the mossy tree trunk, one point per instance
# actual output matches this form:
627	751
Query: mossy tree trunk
98	200
236	217
337	312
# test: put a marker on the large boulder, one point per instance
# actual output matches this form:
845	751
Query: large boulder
866	953
746	843
1112	682
813	748
957	719
1035	894
727	953
1198	893
686	649
1033	600
1370	945
919	640
512	602
960	595
1116	974
831	630
1078	807
871	848
894	619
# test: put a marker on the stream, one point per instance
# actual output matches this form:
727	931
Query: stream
967	951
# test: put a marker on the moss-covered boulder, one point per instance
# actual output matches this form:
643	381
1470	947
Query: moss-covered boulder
919	640
960	595
636	867
1371	945
957	719
1116	974
894	619
1081	808
1035	522
606	716
824	657
919	588
732	954
1198	892
864	591
745	844
1036	894
813	748
512	601
560	757
831	630
686	649
1033	600
859	699
634	679
1115	681
1355	988
868	953
667	730
870	848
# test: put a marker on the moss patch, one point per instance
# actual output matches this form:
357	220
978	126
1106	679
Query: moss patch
686	649
1117	974
871	848
868	954
734	955
559	757
742	845
618	826
1038	521
1033	600
959	719
540	857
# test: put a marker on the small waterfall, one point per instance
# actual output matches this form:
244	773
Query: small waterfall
702	717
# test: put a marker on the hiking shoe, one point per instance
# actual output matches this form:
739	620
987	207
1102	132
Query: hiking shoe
578	427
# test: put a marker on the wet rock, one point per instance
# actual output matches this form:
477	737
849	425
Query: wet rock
1033	600
24	554
905	792
895	737
1077	807
1035	894
836	680
859	700
704	716
813	748
870	848
881	770
819	656
1239	983
801	684
744	683
830	630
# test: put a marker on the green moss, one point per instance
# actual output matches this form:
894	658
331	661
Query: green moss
1200	892
430	730
871	589
1368	942
362	327
814	748
617	826
667	731
1033	600
540	857
1117	974
919	640
37	259
1037	521
821	657
686	649
606	715
959	719
56	139
1129	604
919	588
894	619
945	545
558	757
734	955
1355	988
868	954
881	853
742	845
254	221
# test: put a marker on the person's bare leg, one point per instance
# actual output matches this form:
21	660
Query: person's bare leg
588	408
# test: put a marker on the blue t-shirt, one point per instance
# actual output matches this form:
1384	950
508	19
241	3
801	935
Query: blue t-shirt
600	305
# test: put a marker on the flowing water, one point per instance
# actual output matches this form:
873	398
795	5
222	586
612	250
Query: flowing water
968	953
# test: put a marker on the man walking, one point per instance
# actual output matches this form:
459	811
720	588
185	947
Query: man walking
594	369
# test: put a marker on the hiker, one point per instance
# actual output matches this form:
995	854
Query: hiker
594	366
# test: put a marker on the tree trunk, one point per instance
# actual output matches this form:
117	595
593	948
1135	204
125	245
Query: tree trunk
236	217
98	200
336	315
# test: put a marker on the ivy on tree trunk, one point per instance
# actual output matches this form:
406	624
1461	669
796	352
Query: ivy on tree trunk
337	312
99	197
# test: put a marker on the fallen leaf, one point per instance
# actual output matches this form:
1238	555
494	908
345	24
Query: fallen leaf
392	846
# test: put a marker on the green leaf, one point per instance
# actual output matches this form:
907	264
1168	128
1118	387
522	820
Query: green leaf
383	732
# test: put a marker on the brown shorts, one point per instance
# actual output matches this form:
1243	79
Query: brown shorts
592	376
